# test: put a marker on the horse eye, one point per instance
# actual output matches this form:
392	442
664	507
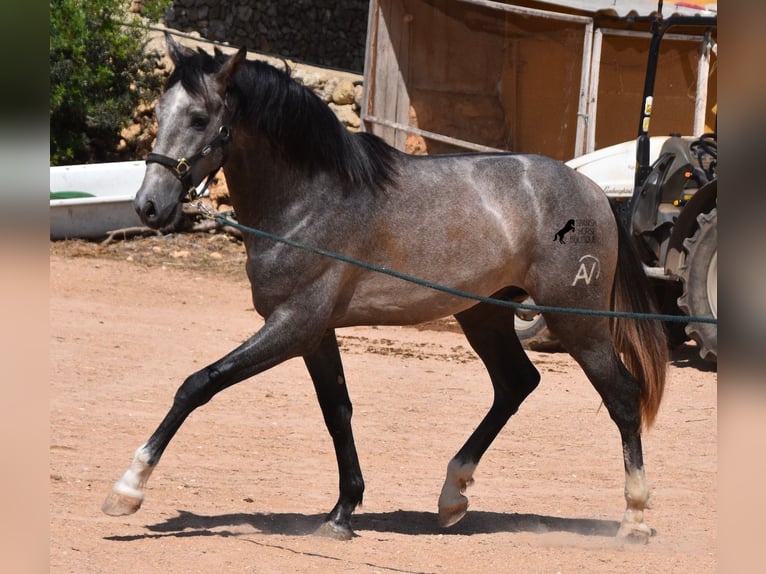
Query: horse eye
199	122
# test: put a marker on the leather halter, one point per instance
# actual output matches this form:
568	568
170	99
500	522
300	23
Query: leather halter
182	168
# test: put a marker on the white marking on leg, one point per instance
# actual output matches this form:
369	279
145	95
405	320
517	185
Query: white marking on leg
636	489
637	500
132	482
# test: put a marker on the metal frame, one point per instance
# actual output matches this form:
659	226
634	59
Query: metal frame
585	136
703	67
369	116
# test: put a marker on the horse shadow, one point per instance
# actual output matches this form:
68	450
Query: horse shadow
407	522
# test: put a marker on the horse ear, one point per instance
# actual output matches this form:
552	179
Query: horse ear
175	50
228	69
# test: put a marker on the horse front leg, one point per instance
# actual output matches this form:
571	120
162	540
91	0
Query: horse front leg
267	348
326	370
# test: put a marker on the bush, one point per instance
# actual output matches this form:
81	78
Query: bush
99	73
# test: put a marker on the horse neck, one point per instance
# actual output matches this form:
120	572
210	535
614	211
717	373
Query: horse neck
262	185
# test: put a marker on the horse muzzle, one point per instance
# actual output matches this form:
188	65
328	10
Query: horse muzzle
154	217
158	202
153	209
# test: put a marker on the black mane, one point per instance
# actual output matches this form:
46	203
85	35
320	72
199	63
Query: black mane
294	120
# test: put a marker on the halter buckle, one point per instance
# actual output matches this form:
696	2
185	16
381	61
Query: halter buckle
182	167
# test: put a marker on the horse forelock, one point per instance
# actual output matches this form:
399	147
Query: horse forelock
191	69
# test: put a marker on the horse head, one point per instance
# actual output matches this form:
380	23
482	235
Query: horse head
193	132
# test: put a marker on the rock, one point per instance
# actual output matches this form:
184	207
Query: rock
343	94
416	145
132	131
219	191
328	89
311	79
346	114
358	95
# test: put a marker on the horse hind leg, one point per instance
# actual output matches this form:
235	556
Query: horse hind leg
326	370
491	333
588	340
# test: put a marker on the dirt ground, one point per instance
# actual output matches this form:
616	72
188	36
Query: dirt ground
251	474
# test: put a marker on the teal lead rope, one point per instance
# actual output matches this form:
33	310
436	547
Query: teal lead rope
224	220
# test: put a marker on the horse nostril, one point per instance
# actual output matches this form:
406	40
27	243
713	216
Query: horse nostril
147	211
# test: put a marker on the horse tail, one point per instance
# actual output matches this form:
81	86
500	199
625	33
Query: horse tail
642	343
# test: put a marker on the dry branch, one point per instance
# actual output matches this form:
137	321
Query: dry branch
126	232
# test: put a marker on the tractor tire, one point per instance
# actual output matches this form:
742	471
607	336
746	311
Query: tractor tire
699	275
533	332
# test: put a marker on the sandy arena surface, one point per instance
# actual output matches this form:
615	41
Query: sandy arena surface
251	474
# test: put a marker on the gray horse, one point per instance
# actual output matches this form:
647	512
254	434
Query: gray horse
476	222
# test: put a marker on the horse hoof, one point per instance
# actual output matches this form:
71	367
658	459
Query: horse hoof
335	531
117	504
635	533
453	513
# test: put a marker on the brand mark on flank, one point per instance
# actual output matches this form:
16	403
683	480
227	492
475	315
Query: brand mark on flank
561	233
578	231
590	269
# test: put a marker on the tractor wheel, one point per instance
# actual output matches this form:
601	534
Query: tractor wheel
532	330
699	274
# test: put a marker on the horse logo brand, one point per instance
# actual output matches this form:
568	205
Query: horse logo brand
586	274
570	225
580	230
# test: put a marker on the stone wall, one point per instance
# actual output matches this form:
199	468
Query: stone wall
321	32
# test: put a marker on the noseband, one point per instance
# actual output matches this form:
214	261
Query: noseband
182	168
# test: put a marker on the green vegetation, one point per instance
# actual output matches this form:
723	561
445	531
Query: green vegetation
99	74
